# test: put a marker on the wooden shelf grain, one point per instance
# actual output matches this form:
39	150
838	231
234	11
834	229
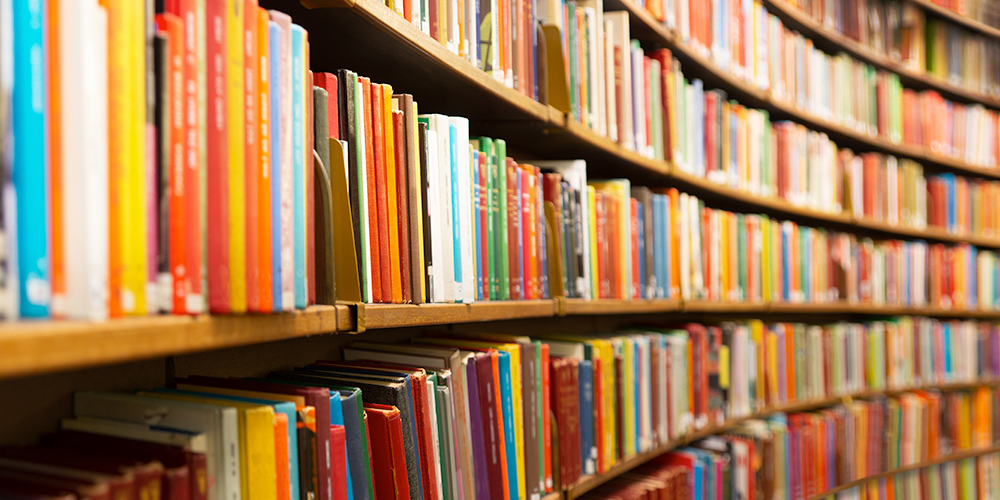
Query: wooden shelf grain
30	347
378	316
953	457
957	18
612	306
590	482
833	41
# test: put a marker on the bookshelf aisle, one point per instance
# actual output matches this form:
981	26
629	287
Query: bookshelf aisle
620	249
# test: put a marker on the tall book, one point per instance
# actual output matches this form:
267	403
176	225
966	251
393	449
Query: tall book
29	168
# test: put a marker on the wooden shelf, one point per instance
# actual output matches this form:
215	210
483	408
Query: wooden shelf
588	483
834	41
378	316
954	457
28	347
957	18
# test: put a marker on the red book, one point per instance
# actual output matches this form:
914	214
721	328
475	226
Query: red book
538	226
328	82
371	456
174	27
137	479
566	406
191	281
381	196
251	66
373	233
514	231
546	414
529	233
612	230
217	175
389	464
338	461
403	205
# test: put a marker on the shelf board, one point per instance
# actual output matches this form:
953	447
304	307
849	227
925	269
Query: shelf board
30	347
614	306
590	482
378	316
833	41
954	457
957	18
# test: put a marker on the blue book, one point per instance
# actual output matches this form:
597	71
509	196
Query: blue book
946	341
274	60
299	163
456	226
477	191
284	407
588	453
639	216
337	418
949	180
507	407
30	165
351	401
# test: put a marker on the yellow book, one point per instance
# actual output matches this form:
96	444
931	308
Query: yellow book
620	190
127	117
772	367
757	336
258	475
236	118
391	197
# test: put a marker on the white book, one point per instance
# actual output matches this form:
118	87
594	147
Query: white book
610	96
446	158
594	17
471	35
638	102
194	442
623	44
219	424
287	162
449	439
574	172
463	197
83	45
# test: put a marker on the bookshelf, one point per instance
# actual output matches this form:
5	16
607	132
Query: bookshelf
954	457
957	18
37	348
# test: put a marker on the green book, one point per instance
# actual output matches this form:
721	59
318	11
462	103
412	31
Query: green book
486	147
503	260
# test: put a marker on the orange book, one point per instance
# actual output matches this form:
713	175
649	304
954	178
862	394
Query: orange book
56	234
790	393
265	296
392	201
252	158
174	27
531	229
280	431
675	243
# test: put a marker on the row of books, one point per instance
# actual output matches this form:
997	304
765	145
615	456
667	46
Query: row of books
127	196
963	206
500	37
802	455
982	11
903	33
450	415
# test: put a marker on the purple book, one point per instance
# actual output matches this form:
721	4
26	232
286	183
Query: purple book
478	445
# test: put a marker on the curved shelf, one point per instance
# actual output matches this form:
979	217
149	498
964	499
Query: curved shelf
835	41
591	482
645	26
954	457
524	120
957	18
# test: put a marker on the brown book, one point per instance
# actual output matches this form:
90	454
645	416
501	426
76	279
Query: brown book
566	404
36	484
404	102
530	408
403	206
126	478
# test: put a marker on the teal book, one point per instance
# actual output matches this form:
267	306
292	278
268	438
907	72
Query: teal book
507	408
299	165
337	418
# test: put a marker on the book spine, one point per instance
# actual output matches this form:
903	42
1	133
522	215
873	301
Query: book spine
217	193
252	154
299	165
261	71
